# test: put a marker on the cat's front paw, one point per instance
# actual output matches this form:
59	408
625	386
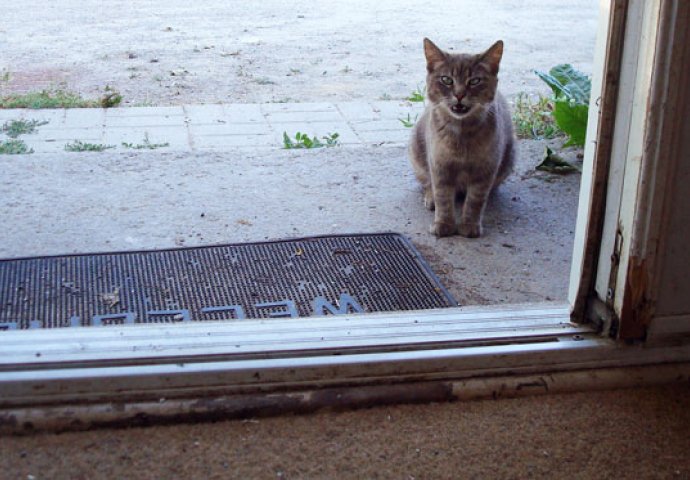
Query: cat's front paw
443	229
470	230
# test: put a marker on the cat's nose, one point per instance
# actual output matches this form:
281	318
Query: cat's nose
459	96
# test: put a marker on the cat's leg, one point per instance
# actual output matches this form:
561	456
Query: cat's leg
444	200
472	210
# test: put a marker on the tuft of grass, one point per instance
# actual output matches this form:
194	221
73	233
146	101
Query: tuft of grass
14	147
302	140
15	128
79	146
533	118
59	98
46	99
146	145
409	122
417	95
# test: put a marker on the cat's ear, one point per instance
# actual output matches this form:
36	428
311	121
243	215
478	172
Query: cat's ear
492	57
433	54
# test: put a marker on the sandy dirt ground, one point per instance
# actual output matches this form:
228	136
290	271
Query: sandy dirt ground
159	52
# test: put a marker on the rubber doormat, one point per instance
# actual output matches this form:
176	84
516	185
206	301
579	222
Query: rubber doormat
288	278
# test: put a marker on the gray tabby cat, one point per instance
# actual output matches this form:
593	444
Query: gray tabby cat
463	144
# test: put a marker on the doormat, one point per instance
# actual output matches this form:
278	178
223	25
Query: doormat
325	275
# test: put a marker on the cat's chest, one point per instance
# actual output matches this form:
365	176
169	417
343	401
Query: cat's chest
460	146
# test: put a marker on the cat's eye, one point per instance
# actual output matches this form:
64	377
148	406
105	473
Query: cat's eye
446	80
474	81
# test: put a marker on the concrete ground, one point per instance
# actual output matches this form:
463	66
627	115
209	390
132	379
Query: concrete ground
226	178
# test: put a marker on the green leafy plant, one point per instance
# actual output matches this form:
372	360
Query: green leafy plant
15	128
14	147
79	146
146	145
408	122
302	140
533	117
571	92
417	95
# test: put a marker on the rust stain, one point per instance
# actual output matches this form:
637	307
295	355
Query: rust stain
636	310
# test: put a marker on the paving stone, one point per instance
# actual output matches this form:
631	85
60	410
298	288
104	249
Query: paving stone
397	109
204	114
298	107
219	142
40	146
304	117
176	137
144	121
55	117
177	111
84	117
357	111
243	113
11	114
385	136
45	134
374	125
230	129
216	126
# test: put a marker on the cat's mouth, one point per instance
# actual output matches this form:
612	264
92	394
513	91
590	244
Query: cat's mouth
460	109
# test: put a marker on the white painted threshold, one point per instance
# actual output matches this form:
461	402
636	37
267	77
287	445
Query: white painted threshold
53	378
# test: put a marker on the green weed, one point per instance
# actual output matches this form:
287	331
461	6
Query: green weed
15	128
79	146
417	95
146	145
59	98
14	147
302	140
533	118
409	122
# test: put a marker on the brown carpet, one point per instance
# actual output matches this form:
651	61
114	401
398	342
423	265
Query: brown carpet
636	433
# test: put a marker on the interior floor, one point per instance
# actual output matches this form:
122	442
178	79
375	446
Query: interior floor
637	434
